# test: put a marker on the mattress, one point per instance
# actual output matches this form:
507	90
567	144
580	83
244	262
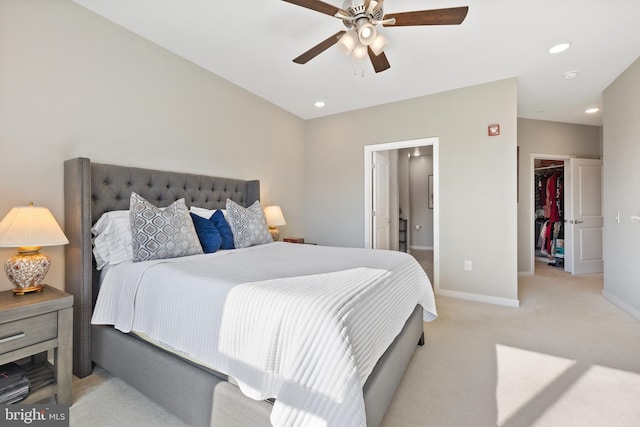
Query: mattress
303	324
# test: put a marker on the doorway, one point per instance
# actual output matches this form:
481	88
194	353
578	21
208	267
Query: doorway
369	180
570	238
549	208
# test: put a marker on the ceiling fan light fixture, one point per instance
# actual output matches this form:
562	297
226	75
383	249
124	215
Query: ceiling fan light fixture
379	44
348	41
367	34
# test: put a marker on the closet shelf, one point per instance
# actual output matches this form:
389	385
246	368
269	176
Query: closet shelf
548	167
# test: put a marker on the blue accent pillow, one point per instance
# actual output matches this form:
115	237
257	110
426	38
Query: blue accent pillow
224	228
208	234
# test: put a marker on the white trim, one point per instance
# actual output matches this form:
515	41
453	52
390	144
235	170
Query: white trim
368	154
630	310
479	298
422	248
525	273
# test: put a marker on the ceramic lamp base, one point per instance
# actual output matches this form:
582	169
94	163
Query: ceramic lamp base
275	234
26	270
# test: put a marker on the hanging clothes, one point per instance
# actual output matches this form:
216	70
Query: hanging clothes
552	199
549	205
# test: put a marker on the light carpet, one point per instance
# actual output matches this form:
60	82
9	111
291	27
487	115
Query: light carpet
566	357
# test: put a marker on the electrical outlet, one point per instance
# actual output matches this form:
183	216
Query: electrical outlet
468	266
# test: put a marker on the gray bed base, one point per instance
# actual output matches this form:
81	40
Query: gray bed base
198	396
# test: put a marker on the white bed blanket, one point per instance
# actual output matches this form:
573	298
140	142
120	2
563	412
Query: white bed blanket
301	323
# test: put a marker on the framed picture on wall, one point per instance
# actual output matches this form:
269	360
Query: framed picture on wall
430	192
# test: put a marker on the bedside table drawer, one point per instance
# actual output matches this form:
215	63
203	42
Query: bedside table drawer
24	332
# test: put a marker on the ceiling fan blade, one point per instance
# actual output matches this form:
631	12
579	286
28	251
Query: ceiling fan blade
319	48
379	5
318	6
450	16
379	62
368	7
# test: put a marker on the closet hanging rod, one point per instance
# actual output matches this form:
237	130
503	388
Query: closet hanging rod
549	167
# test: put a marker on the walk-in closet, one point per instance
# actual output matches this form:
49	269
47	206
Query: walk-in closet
549	211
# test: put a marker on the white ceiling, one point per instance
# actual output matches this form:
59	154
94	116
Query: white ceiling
252	43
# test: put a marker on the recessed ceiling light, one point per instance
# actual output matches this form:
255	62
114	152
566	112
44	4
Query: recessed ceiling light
560	48
319	104
570	75
592	110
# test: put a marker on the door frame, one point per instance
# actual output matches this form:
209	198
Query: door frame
368	196
532	182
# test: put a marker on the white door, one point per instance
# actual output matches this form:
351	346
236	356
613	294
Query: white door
583	216
381	216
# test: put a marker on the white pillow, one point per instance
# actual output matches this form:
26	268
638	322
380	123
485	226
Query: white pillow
206	213
112	242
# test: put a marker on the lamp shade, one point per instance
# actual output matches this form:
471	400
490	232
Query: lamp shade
274	216
348	41
379	44
367	34
26	226
359	52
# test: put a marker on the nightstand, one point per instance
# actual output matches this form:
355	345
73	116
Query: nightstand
293	239
297	240
32	324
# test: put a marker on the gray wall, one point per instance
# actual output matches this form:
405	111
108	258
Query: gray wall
74	84
621	154
477	179
544	137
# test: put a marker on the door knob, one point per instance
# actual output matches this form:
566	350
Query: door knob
573	221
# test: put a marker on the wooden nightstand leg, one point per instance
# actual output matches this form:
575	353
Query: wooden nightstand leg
63	356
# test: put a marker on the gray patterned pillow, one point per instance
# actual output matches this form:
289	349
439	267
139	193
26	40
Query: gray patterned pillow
161	233
249	226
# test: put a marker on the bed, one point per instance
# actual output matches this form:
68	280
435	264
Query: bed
194	391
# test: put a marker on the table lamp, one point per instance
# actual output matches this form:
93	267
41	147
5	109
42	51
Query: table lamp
274	219
29	228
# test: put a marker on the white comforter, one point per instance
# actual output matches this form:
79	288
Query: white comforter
304	324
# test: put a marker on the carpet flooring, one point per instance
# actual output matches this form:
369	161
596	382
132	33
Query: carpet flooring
566	357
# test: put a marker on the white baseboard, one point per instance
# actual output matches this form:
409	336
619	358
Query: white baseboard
526	273
479	298
422	248
631	311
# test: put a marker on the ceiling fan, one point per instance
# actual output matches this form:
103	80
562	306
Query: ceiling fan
361	17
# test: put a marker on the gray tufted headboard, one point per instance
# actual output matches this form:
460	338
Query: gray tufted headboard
91	189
